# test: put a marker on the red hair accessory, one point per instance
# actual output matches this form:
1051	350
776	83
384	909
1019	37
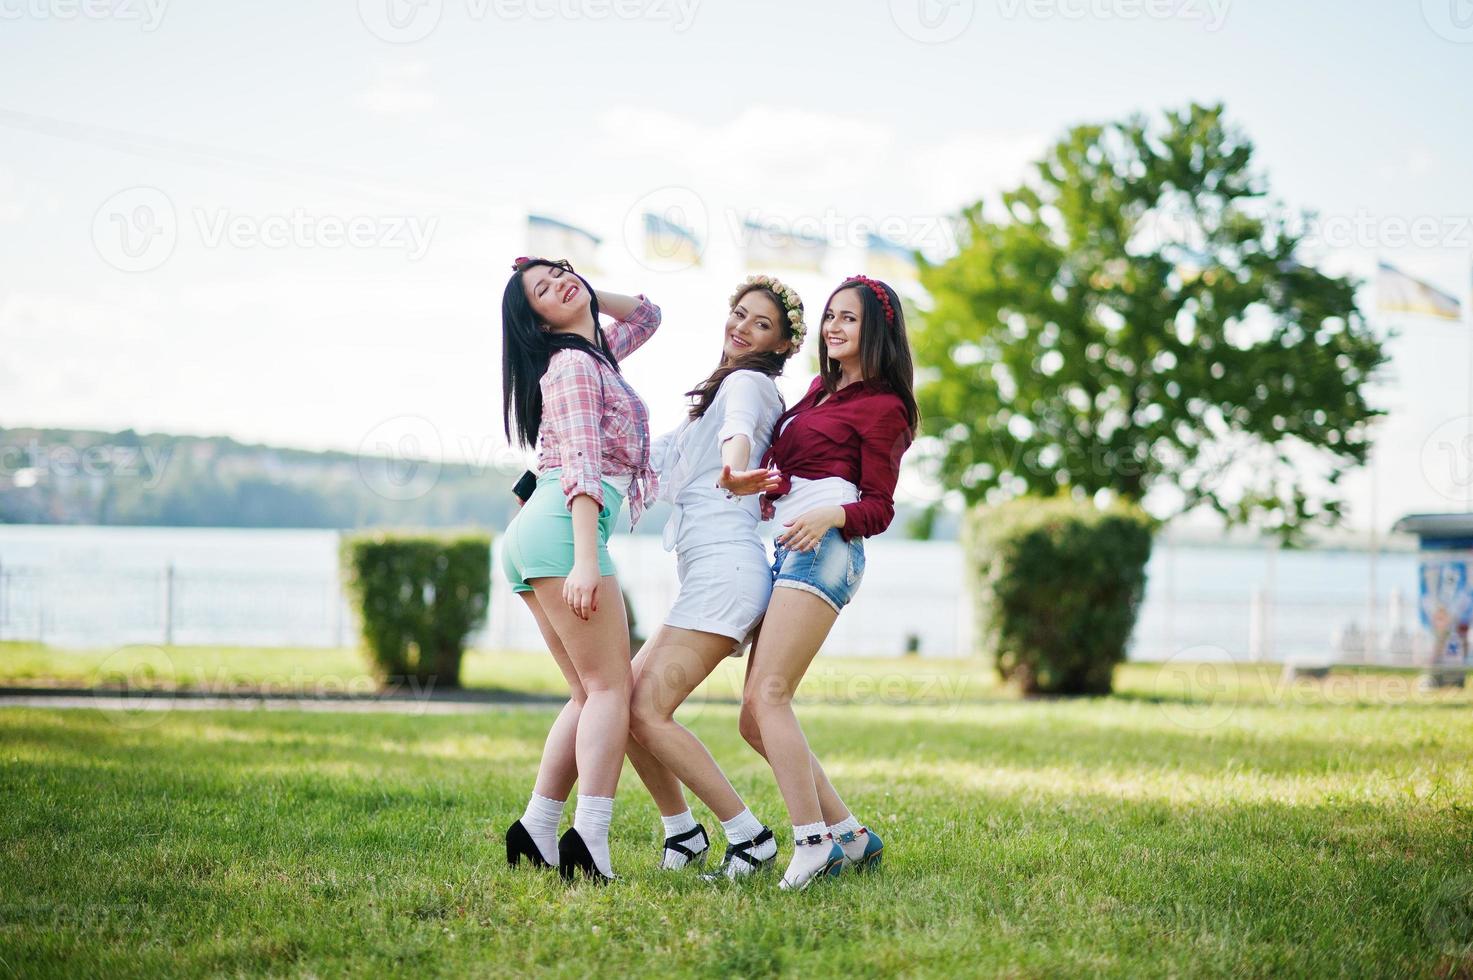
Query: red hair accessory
517	262
881	294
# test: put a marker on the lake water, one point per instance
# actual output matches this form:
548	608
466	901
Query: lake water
108	586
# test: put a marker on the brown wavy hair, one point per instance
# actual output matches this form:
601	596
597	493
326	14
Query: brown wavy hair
769	363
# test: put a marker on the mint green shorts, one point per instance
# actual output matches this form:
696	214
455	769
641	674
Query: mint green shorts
538	543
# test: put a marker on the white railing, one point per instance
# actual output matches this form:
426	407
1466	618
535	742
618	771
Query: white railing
914	599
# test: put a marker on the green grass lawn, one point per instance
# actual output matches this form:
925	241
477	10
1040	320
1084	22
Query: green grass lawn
1200	822
1203	692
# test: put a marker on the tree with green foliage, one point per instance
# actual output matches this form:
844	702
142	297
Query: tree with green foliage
1137	317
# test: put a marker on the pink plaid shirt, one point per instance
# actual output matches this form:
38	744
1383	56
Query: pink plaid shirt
593	423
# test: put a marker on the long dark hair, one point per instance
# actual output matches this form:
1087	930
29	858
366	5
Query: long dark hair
770	363
884	348
527	346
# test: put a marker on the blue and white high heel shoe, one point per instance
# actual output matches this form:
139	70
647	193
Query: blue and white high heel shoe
874	849
830	868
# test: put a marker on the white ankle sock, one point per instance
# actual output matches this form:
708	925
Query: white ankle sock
591	820
674	826
541	820
853	850
808	830
678	824
742	827
808	859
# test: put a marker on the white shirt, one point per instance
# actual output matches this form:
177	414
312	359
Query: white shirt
805	495
689	463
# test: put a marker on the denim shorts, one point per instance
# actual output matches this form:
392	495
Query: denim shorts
832	571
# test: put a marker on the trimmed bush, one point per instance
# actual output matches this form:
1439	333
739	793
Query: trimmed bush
419	597
1059	584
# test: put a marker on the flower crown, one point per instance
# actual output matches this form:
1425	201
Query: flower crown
881	294
786	294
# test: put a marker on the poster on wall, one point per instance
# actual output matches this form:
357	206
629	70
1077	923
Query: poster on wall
1446	601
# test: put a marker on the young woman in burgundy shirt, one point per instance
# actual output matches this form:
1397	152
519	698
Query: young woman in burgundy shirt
837	456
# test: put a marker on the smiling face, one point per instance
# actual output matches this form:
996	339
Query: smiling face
558	297
754	326
841	326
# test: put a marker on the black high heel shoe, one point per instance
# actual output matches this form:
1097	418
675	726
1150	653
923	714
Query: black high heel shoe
693	853
519	844
730	869
573	855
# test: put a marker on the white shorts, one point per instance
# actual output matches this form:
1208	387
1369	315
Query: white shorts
724	589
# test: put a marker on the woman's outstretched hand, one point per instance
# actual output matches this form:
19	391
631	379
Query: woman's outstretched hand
744	483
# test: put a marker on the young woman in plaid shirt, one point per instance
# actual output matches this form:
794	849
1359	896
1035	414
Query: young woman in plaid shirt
562	391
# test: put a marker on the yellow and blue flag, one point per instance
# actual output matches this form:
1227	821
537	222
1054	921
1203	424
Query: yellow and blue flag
1397	292
553	239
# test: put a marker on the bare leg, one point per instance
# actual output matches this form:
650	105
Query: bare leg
673	663
663	785
834	810
598	649
796	625
559	768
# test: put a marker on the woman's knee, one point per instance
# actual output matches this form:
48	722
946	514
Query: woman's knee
766	697
646	714
749	727
616	679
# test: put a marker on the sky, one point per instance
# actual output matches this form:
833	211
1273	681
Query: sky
326	197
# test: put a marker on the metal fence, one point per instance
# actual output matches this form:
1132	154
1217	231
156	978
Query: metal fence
914	599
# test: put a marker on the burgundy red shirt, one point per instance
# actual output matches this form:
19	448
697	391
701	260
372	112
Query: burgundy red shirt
858	433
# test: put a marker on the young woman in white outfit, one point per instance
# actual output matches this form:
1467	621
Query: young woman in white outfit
708	474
